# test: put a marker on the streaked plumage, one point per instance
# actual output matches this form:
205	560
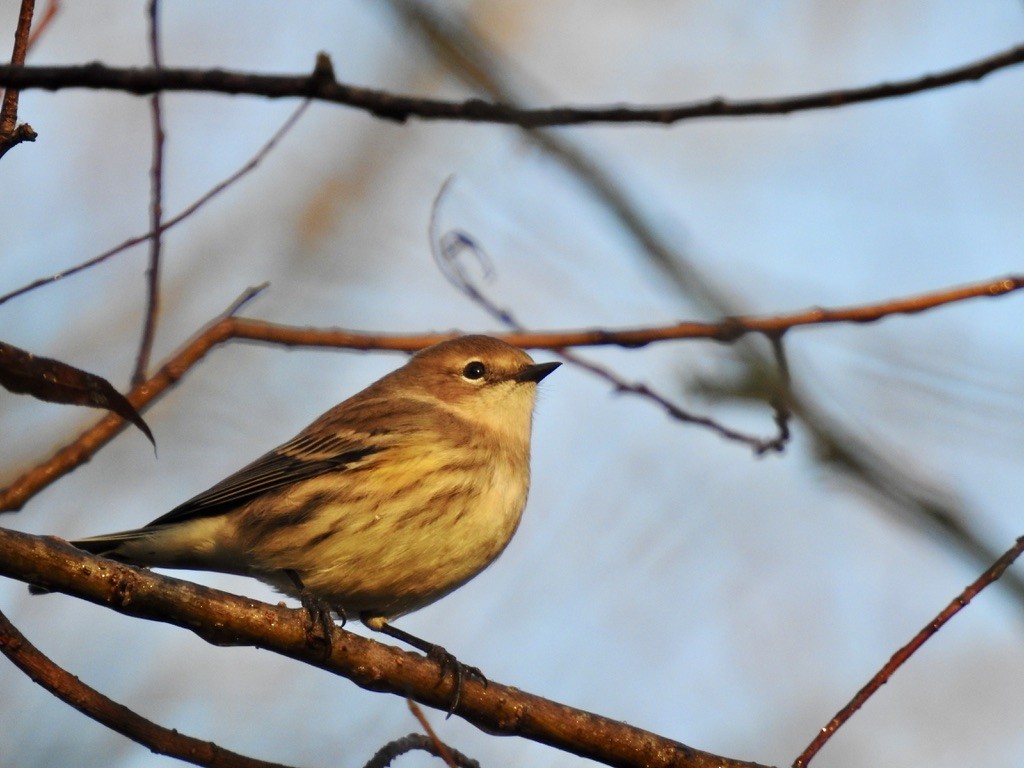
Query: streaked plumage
387	502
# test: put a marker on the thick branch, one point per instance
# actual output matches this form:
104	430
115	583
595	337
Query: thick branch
322	86
225	619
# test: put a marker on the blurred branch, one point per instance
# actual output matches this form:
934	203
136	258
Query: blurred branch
227	327
224	619
49	14
471	59
156	196
441	749
117	717
447	250
400	108
250	165
901	656
12	134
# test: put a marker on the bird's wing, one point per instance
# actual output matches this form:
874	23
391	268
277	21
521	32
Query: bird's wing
307	455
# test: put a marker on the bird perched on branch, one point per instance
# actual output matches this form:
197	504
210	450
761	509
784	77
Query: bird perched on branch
384	504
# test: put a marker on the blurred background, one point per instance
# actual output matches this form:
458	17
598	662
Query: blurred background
662	575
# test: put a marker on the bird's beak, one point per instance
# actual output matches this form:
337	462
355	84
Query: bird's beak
536	372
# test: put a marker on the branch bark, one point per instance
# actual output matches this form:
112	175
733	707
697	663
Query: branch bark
224	619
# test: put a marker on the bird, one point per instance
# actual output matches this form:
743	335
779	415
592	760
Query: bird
384	504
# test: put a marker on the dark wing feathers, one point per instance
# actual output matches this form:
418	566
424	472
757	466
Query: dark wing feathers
308	455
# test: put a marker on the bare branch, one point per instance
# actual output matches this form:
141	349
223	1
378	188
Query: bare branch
903	654
473	61
117	717
224	619
397	107
250	165
227	327
12	134
156	196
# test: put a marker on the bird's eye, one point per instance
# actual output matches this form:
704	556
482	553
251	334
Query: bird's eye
474	370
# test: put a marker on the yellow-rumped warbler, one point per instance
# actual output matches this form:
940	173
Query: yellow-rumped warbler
386	503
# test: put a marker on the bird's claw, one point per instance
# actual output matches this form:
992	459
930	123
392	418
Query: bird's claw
459	671
318	611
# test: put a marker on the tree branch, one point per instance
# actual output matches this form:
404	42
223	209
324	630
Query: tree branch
918	501
321	86
993	573
224	619
215	190
117	717
12	134
156	208
227	327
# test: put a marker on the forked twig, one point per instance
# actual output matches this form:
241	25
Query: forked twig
447	250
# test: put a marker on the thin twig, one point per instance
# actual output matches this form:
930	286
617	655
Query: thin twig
760	445
9	109
901	656
442	749
227	327
915	500
250	165
11	134
156	195
43	23
400	107
448	248
117	717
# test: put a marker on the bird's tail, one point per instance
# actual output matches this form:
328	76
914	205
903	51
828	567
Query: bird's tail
109	544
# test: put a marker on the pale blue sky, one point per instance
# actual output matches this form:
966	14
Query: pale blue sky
661	576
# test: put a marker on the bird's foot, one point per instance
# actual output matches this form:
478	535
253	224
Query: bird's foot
446	662
319	616
459	671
